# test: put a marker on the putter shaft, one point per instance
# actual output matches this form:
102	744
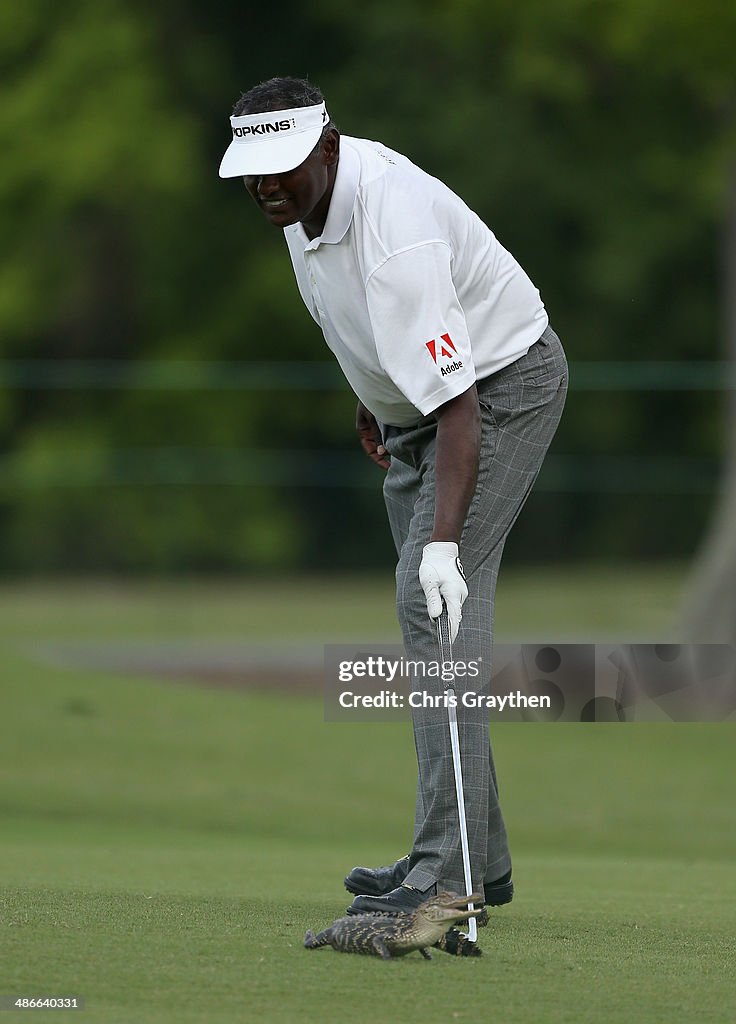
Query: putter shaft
445	646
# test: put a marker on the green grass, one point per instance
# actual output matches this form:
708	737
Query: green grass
163	847
607	600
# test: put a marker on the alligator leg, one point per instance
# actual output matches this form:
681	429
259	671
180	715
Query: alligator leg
312	941
456	943
381	948
426	954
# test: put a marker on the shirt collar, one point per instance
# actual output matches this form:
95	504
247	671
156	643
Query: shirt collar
342	202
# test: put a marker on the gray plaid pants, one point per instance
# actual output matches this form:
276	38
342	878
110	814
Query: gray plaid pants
520	407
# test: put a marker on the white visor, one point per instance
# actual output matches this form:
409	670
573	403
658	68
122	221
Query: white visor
274	141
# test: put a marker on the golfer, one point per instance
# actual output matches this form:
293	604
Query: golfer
460	384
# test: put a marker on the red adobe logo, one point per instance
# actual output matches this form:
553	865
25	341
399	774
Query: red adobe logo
447	348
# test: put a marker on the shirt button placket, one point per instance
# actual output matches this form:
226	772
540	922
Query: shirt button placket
316	295
313	282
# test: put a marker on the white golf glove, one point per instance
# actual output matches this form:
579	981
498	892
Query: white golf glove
441	576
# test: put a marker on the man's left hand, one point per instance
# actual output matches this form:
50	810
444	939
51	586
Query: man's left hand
442	578
370	437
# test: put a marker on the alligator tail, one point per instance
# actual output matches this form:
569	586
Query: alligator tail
312	941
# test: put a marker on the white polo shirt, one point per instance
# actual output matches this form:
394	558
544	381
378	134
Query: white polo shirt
414	294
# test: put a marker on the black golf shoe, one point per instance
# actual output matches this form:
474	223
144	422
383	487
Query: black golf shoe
381	881
404	899
377	881
499	892
496	894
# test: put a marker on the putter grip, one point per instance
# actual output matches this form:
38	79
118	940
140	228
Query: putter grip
443	635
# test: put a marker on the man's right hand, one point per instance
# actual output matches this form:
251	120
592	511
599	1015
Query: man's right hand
370	437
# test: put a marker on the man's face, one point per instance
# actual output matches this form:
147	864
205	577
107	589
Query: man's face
302	194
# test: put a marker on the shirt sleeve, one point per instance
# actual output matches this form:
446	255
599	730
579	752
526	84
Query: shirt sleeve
419	326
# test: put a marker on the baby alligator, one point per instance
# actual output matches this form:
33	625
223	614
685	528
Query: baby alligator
390	935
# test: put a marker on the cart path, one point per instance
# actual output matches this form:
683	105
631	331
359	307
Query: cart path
293	666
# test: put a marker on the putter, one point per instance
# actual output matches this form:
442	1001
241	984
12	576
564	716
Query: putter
445	645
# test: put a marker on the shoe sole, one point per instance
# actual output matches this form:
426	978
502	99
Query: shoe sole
495	896
353	912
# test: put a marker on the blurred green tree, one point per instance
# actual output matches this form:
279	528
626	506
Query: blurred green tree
594	138
591	136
